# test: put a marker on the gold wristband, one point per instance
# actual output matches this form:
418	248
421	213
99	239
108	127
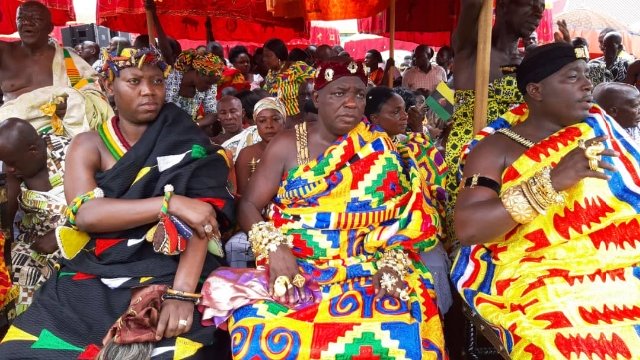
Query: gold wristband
518	206
540	192
265	238
395	259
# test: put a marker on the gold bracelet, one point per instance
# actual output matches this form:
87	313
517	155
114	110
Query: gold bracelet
516	203
539	191
395	259
265	238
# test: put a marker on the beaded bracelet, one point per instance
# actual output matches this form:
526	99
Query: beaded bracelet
168	192
395	259
265	238
171	291
195	301
74	206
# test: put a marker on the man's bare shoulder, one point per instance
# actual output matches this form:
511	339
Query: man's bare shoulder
283	141
9	49
491	153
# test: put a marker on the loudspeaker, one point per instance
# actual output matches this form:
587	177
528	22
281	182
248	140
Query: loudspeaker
103	37
74	35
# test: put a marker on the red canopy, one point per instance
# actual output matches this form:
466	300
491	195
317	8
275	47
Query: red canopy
238	20
327	9
422	22
61	12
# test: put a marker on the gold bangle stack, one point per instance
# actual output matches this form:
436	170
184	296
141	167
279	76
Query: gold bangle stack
265	238
532	197
395	259
540	192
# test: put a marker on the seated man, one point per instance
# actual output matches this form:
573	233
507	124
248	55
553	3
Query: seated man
549	215
152	162
346	216
34	165
59	93
622	102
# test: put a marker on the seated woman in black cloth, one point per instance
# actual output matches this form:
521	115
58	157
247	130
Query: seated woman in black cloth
149	163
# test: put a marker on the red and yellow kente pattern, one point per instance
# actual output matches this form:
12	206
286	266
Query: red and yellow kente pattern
566	285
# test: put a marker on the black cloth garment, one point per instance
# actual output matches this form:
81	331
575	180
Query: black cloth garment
75	308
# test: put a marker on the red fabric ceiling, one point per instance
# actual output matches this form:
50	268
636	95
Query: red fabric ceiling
327	9
238	20
426	21
61	12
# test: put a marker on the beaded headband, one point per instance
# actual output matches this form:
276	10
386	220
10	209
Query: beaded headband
131	57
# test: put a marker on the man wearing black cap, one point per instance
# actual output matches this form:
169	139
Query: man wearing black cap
340	191
548	213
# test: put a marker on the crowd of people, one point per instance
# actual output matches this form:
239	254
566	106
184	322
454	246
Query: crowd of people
169	203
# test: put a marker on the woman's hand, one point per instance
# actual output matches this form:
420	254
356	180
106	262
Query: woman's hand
176	317
200	216
386	276
283	263
575	167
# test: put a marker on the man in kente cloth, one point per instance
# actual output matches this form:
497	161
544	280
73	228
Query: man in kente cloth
347	220
34	165
550	216
47	85
515	19
146	193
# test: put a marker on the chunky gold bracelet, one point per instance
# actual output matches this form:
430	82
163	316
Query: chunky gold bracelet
517	204
395	259
265	238
540	192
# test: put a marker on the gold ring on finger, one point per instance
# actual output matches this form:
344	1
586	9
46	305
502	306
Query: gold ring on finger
404	296
388	282
208	228
281	285
298	281
593	164
182	323
594	150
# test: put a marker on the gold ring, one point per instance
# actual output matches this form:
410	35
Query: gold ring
388	282
208	228
582	145
404	296
593	164
594	150
298	281
281	285
182	323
